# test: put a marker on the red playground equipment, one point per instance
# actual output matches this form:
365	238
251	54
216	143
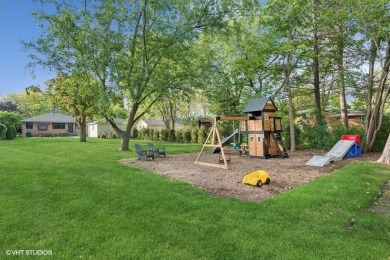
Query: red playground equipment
355	150
348	146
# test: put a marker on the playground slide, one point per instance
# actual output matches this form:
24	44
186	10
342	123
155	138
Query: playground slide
335	154
226	140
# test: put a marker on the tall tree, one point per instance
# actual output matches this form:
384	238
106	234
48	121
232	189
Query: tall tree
31	102
123	45
8	105
373	21
75	94
315	62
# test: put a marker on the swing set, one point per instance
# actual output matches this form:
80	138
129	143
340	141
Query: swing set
214	140
263	130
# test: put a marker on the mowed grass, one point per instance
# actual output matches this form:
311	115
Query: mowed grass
78	201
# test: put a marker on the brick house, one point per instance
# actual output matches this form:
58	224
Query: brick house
50	124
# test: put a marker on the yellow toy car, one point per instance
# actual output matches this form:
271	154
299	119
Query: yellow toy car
257	178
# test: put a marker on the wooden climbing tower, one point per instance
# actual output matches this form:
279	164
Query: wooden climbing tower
264	129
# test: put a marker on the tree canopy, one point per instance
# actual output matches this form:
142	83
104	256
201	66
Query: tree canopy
156	57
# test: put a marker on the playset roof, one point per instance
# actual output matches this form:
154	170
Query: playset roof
258	104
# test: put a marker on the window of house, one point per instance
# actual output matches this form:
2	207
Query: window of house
43	127
29	125
251	138
58	126
258	139
266	117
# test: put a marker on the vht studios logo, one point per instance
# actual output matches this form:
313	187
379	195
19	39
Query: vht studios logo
28	252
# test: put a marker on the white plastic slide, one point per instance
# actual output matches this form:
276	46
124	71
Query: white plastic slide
335	154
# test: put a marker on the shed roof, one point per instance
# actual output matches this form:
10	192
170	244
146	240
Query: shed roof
206	120
257	104
50	118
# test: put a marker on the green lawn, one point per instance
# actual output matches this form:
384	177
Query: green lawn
76	200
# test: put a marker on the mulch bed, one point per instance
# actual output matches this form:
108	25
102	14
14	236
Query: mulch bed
285	173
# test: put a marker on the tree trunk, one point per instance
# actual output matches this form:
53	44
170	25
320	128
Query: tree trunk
287	75
125	140
341	80
370	84
316	65
385	157
82	122
83	132
375	120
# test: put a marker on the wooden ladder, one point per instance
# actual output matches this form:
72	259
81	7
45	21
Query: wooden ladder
282	152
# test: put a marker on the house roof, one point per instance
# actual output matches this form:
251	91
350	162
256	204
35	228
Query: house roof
104	121
158	122
154	122
50	118
356	112
257	104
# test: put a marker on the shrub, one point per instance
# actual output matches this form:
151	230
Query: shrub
146	134
9	134
3	131
13	131
164	135
10	118
382	136
202	135
151	134
339	130
194	135
155	135
286	136
187	137
316	137
135	132
179	136
171	135
141	133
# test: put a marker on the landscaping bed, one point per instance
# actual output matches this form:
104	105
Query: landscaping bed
285	173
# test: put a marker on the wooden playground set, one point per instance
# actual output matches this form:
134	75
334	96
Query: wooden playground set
262	128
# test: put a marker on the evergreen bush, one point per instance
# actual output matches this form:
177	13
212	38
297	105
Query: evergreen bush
141	133
151	134
3	131
194	135
187	137
135	132
179	136
8	134
164	135
202	135
13	131
171	135
156	135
